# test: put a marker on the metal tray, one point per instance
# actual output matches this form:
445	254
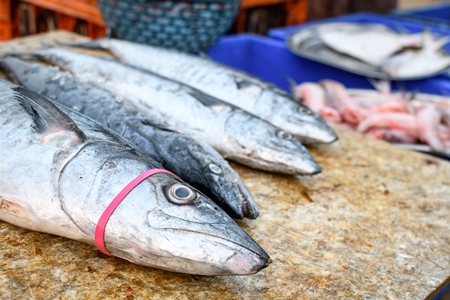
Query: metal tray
306	43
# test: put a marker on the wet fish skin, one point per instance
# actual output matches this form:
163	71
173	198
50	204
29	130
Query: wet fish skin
194	161
231	85
234	133
63	172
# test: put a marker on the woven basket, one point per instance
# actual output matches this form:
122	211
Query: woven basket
189	26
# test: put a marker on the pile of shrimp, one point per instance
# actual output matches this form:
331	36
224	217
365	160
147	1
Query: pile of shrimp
381	115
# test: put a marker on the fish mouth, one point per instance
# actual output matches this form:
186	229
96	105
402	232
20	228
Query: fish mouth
223	246
247	204
312	131
233	197
295	164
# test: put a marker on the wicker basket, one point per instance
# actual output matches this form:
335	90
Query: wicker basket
189	26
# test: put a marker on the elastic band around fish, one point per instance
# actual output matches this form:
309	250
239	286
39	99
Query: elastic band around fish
99	237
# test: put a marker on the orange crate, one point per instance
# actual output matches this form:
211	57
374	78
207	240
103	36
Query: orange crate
86	10
5	31
5	10
296	11
5	20
81	16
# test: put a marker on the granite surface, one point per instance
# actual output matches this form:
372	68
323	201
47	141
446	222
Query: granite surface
375	224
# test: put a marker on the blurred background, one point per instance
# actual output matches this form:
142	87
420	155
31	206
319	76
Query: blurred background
24	17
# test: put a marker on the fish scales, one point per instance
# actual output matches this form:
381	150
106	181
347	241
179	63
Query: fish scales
194	161
234	133
236	87
61	178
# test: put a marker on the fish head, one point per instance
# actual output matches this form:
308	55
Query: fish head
258	143
163	222
214	176
297	119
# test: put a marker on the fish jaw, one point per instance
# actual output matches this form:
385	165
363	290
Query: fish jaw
208	256
258	144
295	118
149	226
243	205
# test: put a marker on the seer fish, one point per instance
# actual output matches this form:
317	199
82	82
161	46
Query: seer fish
63	172
222	82
194	161
234	133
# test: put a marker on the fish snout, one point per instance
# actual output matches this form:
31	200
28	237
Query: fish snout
311	130
292	157
220	248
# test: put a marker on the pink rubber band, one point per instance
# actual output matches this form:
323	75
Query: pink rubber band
99	237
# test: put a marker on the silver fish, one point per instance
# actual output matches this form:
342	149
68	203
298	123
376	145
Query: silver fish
420	63
233	86
62	174
234	133
370	43
194	161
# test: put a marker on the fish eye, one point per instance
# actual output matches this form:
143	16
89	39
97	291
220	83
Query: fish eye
215	168
284	135
304	110
181	194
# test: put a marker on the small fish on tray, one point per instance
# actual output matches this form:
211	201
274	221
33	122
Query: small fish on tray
419	122
373	50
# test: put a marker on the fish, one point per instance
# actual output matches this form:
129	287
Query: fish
307	43
372	50
366	42
243	90
194	161
338	99
428	118
313	96
66	173
421	62
398	118
234	133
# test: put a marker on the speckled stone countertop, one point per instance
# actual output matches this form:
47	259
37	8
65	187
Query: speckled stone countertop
375	224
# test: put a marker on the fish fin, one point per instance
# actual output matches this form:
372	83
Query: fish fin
160	125
48	120
292	83
381	85
430	40
208	100
95	44
439	43
242	83
203	55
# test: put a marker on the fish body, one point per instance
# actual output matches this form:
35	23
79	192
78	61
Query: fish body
429	59
233	86
234	133
194	161
63	172
366	42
